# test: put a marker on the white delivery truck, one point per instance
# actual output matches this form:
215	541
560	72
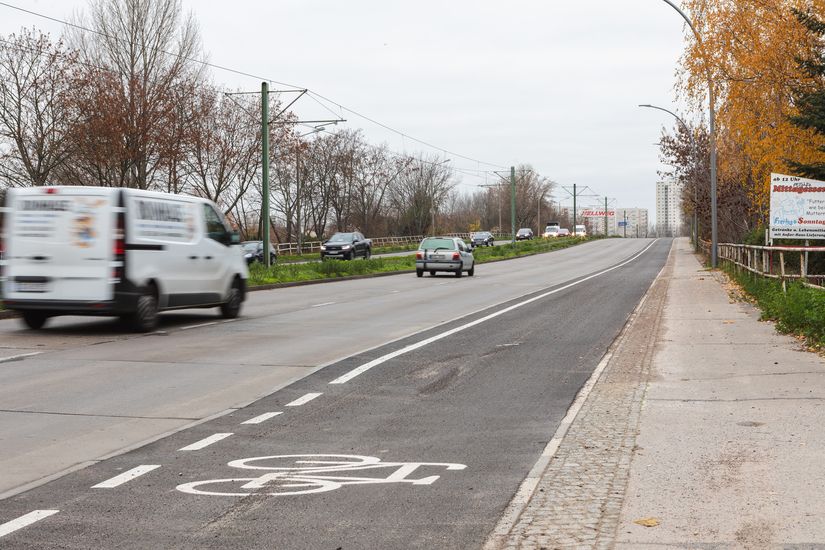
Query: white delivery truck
119	252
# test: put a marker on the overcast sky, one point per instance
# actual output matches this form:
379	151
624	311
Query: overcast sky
553	84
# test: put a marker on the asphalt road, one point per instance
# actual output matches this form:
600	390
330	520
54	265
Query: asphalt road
476	406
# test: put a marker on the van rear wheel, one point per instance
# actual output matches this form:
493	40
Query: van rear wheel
231	308
35	319
145	317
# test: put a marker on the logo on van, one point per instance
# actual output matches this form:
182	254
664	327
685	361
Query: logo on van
84	233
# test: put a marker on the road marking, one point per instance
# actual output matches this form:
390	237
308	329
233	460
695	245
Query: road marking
323	304
205	442
126	476
261	418
19	356
343	379
209	324
302	400
23	521
304	474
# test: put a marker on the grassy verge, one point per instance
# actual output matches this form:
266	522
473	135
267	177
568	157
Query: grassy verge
800	310
284	272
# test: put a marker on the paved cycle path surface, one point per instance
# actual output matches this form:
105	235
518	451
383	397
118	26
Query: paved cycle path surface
437	441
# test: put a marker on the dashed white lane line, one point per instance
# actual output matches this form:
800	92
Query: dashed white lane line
129	475
302	400
323	304
344	378
19	356
23	521
261	418
205	442
190	327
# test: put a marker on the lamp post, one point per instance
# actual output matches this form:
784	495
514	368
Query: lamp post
711	100
432	210
695	192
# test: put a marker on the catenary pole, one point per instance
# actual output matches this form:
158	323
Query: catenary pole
265	169
513	203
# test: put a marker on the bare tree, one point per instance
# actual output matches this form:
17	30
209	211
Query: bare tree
147	47
418	192
36	78
225	155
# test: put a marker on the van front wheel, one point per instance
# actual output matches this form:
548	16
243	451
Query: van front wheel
231	308
35	319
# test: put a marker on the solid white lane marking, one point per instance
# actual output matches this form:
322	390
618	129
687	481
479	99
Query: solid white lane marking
23	521
205	442
375	362
323	304
262	418
126	476
19	356
302	400
209	324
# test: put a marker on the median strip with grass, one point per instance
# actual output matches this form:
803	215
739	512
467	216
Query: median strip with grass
335	269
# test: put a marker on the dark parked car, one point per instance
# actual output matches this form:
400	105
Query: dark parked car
482	238
524	234
444	254
253	251
346	246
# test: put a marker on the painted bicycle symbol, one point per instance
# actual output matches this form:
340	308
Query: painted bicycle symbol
305	474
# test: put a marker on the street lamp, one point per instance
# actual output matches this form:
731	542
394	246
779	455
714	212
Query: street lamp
695	151
432	193
711	100
298	190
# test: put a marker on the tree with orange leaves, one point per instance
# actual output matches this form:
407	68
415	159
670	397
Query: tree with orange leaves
751	48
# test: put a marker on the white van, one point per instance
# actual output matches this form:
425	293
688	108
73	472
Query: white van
120	252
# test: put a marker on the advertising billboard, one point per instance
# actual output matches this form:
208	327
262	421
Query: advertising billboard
797	208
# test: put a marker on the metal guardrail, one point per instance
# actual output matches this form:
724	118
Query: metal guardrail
772	262
315	246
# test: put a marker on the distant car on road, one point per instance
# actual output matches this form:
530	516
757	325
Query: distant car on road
253	251
551	231
444	254
524	234
564	232
482	238
346	246
580	231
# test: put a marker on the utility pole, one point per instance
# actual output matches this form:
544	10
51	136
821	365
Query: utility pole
265	169
513	203
299	233
574	208
625	223
606	234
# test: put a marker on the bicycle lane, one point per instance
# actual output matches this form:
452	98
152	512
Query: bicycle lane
436	441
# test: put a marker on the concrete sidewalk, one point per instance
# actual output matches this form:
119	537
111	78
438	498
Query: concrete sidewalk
706	425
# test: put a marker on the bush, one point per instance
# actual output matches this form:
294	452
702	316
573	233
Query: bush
800	310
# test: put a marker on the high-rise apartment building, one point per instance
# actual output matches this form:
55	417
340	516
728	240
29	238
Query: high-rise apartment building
668	208
630	222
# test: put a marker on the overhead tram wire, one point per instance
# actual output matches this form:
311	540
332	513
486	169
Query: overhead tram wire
203	63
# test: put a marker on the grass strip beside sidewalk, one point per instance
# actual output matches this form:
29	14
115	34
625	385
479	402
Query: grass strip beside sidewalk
334	269
800	310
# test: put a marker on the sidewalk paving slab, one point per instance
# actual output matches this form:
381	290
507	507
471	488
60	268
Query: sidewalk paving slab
705	420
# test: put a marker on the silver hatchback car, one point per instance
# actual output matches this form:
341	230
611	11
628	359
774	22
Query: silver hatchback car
444	254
